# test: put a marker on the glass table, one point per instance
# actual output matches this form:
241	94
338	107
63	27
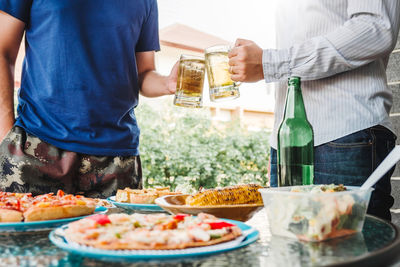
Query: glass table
377	245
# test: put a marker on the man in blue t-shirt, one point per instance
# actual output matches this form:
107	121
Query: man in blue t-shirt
85	63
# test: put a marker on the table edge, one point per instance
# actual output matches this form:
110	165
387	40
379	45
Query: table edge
380	255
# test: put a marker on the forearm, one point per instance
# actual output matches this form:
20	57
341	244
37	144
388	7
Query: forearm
154	84
358	42
7	117
11	32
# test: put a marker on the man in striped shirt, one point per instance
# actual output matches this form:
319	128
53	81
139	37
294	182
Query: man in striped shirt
340	49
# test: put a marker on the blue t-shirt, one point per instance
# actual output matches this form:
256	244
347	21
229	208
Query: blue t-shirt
79	83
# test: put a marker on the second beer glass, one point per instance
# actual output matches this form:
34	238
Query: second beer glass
189	87
219	78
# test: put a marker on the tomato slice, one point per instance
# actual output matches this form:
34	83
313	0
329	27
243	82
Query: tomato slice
101	219
68	197
219	225
180	216
18	204
60	193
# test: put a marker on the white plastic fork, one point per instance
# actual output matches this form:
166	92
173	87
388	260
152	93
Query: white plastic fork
386	164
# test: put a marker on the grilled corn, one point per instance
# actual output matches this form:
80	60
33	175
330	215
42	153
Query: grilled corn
232	195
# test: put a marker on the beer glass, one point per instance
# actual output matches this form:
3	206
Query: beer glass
189	87
219	78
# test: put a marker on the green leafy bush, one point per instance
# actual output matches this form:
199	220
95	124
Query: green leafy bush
182	147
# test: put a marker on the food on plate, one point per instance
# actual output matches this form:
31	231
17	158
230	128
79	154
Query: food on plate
17	207
319	188
102	202
142	196
150	231
231	195
317	212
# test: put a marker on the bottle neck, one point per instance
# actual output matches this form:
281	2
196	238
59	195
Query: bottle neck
294	107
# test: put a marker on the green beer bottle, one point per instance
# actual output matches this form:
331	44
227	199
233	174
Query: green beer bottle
295	141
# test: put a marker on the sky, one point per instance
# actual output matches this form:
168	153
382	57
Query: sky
227	19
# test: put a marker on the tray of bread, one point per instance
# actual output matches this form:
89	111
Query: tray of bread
140	199
24	212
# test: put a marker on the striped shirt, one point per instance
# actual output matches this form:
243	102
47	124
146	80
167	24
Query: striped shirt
340	49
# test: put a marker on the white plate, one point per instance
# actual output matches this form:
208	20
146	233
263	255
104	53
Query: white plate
133	206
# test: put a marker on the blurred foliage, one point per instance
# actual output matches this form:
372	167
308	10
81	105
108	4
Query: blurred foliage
182	148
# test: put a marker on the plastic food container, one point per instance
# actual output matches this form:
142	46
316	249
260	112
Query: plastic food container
315	216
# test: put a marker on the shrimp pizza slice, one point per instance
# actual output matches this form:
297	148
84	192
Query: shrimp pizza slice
58	206
150	231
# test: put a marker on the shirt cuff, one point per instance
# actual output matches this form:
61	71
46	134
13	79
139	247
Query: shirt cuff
276	65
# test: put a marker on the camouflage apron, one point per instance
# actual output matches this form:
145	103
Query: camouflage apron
28	164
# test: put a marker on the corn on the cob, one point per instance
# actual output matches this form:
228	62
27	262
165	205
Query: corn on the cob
232	195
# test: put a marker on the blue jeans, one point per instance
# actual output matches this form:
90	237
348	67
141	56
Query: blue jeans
349	160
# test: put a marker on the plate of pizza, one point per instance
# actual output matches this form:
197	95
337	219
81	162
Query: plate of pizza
24	212
140	199
135	206
123	237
